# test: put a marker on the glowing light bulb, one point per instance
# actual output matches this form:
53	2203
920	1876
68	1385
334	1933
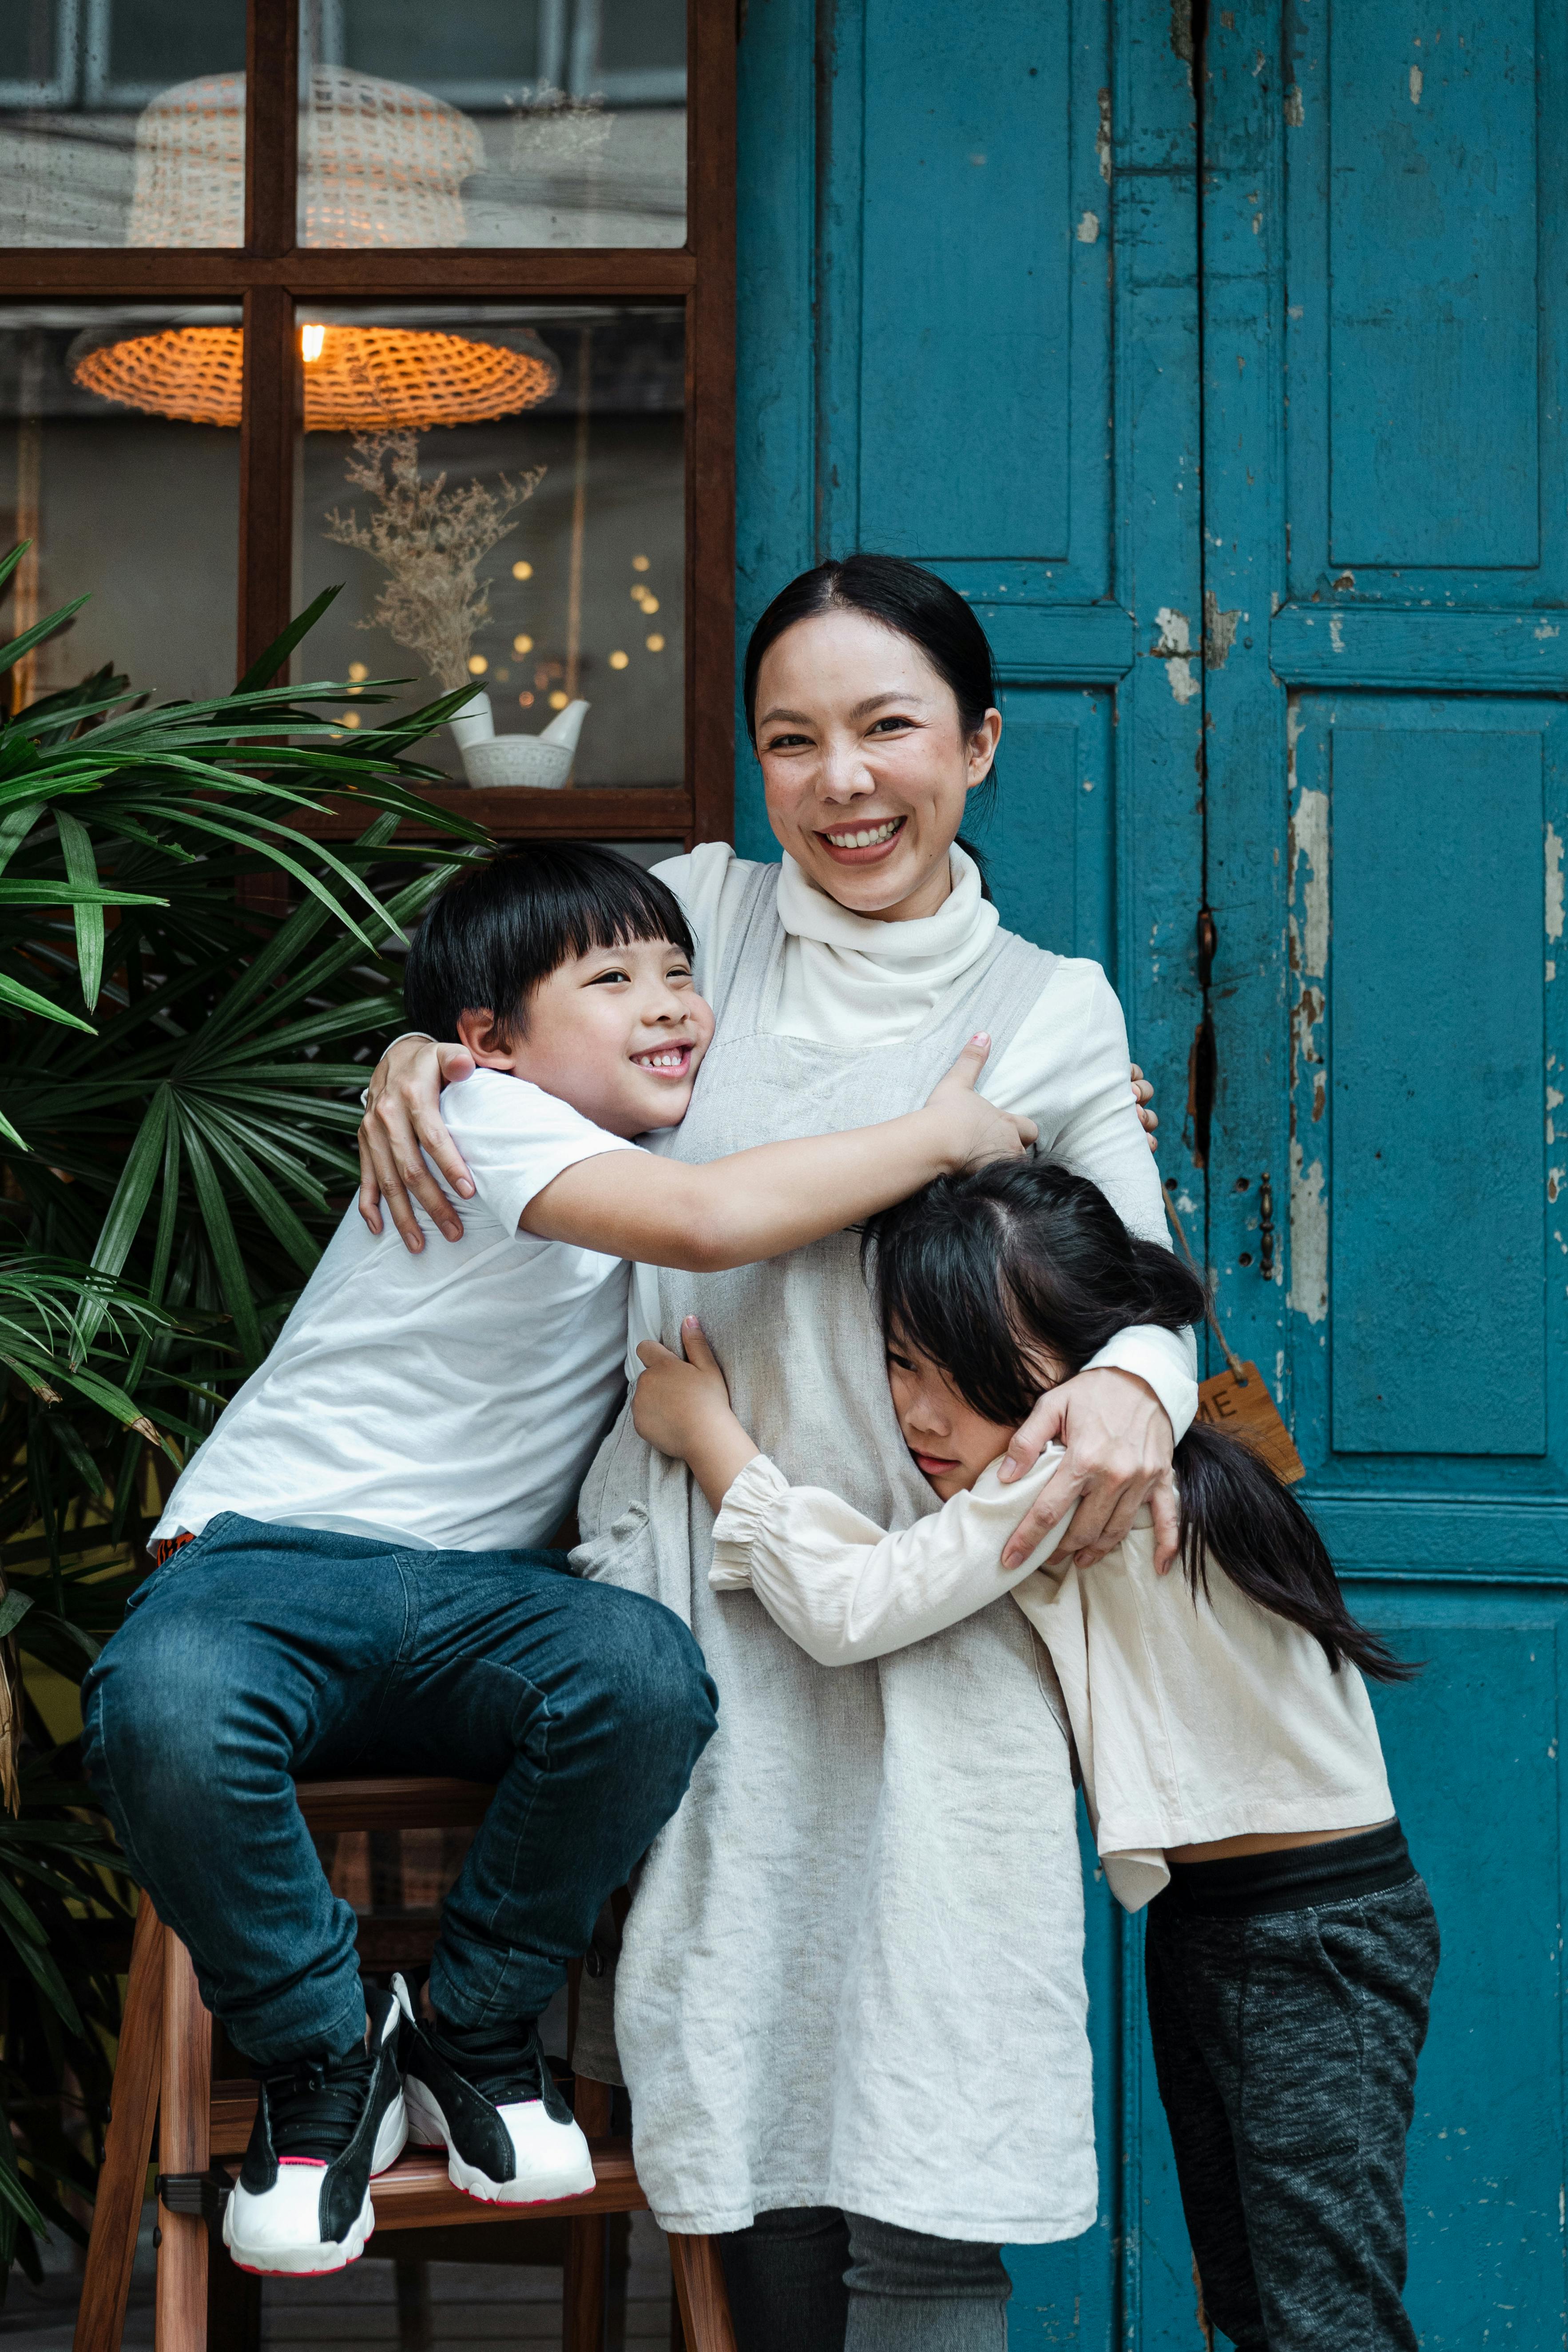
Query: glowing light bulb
526	700
522	571
350	718
358	670
619	661
640	563
649	604
523	644
477	664
310	342
655	644
558	700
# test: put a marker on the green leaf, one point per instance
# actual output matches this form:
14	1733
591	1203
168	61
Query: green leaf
267	665
14	829
27	1000
12	653
233	1278
13	1609
81	865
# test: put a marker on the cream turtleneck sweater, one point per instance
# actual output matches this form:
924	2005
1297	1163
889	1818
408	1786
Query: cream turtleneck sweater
849	980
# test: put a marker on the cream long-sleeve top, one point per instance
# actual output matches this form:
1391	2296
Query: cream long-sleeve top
1196	1716
848	980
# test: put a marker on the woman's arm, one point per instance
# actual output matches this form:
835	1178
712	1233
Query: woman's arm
839	1585
777	1196
1119	1421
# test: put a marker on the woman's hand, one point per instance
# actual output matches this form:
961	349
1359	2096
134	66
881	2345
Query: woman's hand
1117	1440
682	1406
1144	1095
402	1112
979	1130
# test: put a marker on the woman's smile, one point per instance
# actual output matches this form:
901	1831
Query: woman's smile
865	844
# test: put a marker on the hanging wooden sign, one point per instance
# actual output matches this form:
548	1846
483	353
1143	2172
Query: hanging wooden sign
1238	1400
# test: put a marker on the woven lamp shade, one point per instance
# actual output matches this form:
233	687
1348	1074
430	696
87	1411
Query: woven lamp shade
382	164
366	380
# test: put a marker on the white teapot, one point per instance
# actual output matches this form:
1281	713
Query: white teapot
543	760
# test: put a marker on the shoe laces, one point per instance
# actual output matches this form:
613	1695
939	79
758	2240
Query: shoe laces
316	2104
503	2062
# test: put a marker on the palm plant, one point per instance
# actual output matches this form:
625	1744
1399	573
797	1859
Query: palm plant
182	1067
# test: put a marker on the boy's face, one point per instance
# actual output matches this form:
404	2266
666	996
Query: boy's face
618	1033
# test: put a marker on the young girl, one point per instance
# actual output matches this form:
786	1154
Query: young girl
1228	1752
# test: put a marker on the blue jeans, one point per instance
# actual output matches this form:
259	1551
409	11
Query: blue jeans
257	1655
807	2278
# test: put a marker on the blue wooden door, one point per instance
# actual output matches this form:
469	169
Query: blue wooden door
1221	369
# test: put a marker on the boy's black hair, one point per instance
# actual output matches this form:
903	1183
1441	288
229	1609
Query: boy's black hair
508	922
979	1270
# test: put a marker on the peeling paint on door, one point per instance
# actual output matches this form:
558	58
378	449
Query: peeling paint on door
1220	631
1088	230
1309	887
1554	883
1308	1292
1175	648
1102	137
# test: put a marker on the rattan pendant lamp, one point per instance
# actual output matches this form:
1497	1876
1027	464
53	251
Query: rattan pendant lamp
382	164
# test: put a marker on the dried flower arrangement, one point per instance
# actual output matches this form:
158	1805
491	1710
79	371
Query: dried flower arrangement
431	541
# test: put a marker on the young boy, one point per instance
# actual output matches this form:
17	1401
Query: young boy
350	1576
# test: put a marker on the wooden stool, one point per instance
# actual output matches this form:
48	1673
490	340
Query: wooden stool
164	2071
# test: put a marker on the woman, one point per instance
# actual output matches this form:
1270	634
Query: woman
851	2000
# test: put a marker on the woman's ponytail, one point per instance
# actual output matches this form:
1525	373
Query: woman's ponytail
1238	1514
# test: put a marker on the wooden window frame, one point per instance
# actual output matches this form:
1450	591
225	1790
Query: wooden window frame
271	274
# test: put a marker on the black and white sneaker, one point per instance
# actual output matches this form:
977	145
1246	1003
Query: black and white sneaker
323	2127
486	2094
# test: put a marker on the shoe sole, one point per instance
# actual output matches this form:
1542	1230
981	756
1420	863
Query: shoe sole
320	2258
427	2127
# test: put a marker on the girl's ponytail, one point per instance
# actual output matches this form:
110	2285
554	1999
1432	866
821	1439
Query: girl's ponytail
1235	1512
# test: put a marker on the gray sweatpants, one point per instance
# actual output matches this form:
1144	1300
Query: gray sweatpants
1285	2042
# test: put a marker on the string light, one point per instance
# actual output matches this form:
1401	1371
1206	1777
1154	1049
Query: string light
310	342
477	664
640	563
523	644
522	571
558	700
656	643
619	660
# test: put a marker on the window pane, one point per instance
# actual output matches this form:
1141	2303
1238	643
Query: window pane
556	507
125	504
520	122
121	122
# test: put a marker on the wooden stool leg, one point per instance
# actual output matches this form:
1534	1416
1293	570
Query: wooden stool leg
127	2146
587	2242
184	2146
701	2292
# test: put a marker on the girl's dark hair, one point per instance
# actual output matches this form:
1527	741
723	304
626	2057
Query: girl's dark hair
903	597
979	1271
508	921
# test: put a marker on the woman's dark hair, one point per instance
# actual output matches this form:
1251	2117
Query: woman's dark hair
508	921
980	1271
903	597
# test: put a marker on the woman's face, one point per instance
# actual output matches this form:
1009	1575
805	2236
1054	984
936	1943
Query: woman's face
865	763
950	1442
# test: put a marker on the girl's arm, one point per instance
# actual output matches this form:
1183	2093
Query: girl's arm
778	1196
837	1583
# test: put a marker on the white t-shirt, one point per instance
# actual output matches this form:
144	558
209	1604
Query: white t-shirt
451	1401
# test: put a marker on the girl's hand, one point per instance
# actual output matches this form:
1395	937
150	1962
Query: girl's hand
979	1130
1118	1441
682	1406
402	1112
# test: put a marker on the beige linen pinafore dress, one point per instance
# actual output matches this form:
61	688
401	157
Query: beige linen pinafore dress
853	1971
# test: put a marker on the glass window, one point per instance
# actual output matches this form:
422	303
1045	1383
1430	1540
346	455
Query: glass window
501	491
125	500
121	122
514	122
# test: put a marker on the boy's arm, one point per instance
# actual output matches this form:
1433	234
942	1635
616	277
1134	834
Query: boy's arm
759	1203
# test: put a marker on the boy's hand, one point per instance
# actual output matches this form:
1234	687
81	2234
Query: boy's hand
683	1408
1143	1095
980	1131
402	1112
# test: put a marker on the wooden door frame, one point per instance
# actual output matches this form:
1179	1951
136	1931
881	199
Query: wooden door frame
271	274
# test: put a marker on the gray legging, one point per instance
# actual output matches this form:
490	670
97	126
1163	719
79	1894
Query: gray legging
810	2279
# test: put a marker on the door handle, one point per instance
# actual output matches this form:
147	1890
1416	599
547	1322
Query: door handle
1265	1227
